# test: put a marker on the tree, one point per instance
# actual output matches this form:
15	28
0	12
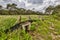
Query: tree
8	5
0	7
49	10
57	10
13	5
11	8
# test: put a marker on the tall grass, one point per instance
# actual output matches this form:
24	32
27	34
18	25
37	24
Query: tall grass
41	27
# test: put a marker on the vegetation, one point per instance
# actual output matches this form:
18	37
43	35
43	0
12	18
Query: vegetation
12	9
46	27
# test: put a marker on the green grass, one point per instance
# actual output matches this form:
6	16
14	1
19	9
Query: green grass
41	27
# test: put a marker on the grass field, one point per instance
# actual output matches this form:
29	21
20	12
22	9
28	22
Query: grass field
47	27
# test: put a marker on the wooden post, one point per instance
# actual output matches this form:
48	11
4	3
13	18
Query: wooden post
29	18
19	20
39	17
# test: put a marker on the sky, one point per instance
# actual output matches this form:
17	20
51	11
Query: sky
39	5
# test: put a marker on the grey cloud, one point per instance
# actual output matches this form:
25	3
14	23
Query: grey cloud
7	0
22	4
35	1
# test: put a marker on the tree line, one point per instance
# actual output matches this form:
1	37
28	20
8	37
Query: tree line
12	9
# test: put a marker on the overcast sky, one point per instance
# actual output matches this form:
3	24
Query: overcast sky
39	5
